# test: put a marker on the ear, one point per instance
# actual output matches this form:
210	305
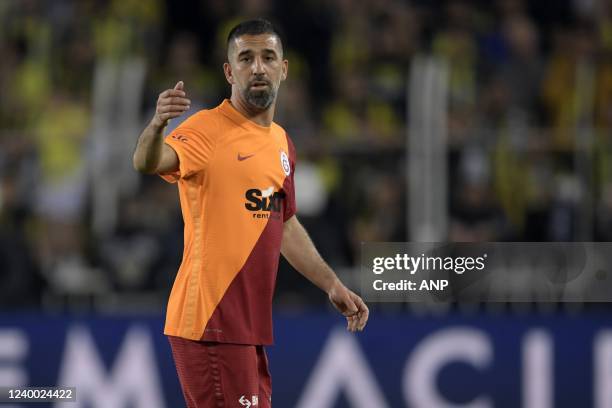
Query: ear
284	70
227	70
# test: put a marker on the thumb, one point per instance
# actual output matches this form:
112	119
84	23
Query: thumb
350	307
179	86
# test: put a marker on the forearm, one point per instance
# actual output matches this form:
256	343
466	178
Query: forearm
149	148
300	252
150	155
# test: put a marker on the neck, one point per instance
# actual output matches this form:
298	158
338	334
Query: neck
261	117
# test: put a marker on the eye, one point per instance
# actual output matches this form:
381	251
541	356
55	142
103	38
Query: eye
245	59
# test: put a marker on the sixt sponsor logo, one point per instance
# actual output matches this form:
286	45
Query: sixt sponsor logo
264	203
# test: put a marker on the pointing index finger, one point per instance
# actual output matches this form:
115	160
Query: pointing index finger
171	92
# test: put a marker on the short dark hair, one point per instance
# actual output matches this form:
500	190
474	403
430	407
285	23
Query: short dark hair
254	27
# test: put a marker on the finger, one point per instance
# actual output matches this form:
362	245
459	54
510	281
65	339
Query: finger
355	323
179	86
350	323
164	117
171	92
363	313
363	319
172	108
350	308
174	101
366	317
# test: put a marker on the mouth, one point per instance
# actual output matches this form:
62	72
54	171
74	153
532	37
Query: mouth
259	84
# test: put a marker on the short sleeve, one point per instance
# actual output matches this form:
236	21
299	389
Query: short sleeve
289	185
194	149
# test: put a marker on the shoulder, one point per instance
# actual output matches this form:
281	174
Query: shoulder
206	125
282	133
284	137
205	121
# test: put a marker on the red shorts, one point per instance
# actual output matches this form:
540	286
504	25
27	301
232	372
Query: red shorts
222	375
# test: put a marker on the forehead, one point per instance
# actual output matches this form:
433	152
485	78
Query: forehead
256	42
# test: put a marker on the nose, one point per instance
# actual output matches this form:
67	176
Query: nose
258	66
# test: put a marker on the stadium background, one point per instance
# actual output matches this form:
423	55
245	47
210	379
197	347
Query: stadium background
413	120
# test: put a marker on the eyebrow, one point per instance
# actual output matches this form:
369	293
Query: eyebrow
249	51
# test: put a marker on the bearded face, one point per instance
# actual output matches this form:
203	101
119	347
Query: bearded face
256	69
260	93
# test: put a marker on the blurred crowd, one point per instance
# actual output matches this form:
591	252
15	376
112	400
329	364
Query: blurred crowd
529	115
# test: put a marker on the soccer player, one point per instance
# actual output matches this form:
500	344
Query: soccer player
234	167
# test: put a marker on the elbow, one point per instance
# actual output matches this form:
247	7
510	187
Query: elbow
141	167
137	164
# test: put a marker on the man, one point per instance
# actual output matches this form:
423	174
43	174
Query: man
234	167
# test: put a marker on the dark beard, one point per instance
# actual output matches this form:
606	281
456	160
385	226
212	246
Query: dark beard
260	99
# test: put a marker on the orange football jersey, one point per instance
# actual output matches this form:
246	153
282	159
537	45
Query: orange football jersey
236	189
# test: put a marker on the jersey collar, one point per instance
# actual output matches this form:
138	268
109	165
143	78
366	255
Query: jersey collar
228	110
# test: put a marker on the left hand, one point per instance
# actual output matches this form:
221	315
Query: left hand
350	305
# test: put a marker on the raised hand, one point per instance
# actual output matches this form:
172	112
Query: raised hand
171	103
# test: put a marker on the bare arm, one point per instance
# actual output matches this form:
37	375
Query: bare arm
152	155
301	253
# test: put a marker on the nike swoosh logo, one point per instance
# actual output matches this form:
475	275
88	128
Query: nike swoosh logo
241	158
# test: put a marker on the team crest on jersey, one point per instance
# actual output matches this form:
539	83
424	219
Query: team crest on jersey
284	159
